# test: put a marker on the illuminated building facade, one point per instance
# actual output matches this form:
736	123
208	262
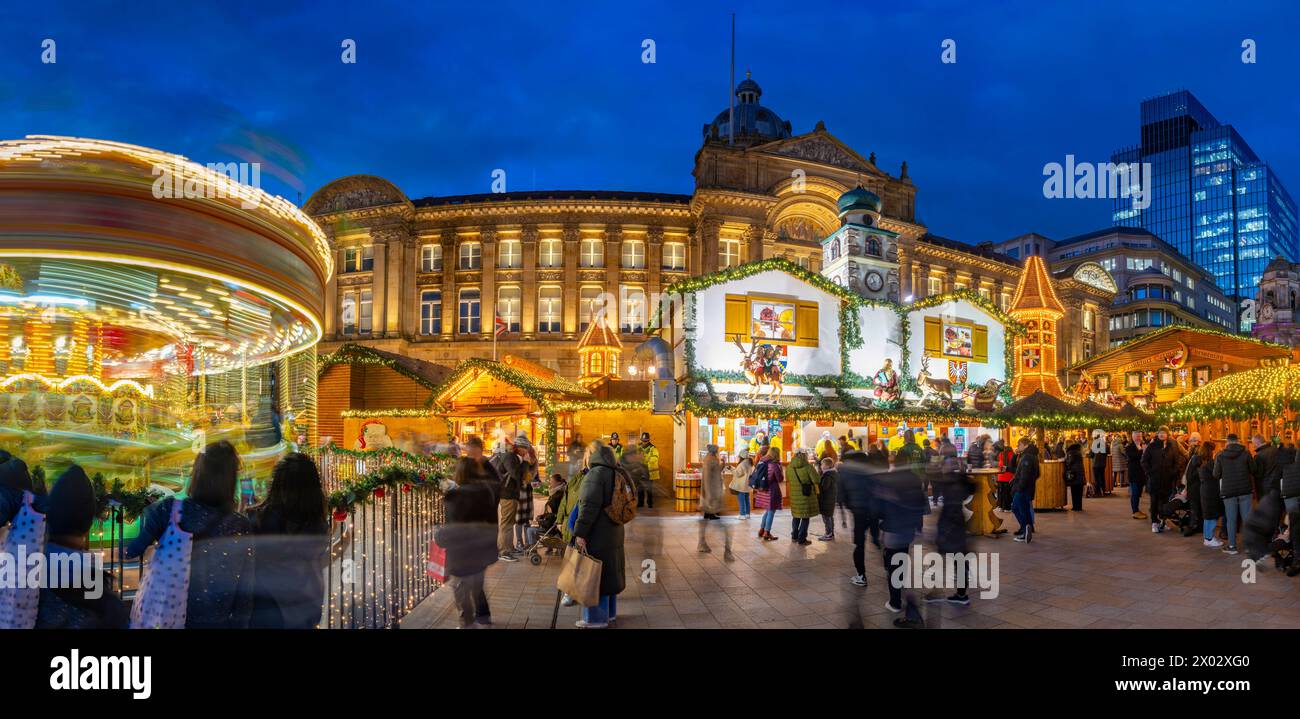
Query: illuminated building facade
427	277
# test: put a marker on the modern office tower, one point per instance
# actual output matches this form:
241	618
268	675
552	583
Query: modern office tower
1210	195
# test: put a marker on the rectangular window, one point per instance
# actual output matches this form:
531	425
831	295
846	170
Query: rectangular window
348	313
590	305
593	253
549	305
1004	301
431	258
633	255
468	313
933	286
674	256
431	312
508	303
510	255
632	310
471	256
550	253
364	311
359	259
728	253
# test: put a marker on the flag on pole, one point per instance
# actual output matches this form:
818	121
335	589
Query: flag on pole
501	326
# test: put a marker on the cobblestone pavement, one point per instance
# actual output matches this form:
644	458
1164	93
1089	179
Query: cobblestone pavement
1096	568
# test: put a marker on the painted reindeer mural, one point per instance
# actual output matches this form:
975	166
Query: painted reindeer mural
930	387
762	366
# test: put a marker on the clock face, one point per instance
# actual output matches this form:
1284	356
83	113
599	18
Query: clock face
874	281
1266	312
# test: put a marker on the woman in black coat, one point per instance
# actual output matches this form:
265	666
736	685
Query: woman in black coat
1192	479
1074	477
598	535
292	546
1211	502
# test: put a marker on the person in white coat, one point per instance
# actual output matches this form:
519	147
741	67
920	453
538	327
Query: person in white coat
740	481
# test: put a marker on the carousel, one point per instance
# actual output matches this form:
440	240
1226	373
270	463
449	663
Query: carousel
151	305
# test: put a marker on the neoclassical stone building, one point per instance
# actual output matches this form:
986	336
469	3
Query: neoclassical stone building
428	277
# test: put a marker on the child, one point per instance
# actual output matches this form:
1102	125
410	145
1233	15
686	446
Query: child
553	501
470	539
826	498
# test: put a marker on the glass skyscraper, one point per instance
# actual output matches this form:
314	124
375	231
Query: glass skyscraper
1211	197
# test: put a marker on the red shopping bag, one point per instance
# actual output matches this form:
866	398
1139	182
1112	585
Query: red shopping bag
436	565
762	498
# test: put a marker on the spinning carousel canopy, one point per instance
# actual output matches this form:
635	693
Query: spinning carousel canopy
163	261
1263	392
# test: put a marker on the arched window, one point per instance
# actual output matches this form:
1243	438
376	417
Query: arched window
835	249
597	363
873	247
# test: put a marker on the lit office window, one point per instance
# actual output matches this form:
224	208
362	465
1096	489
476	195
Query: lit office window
550	253
674	256
549	304
364	310
593	253
469	313
728	253
431	258
430	312
508	304
359	259
510	255
632	310
633	254
471	256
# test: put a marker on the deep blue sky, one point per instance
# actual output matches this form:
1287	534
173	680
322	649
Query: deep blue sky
556	93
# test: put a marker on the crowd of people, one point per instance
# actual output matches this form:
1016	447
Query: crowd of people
257	568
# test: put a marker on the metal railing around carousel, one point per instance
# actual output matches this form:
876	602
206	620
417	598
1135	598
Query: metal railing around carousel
380	530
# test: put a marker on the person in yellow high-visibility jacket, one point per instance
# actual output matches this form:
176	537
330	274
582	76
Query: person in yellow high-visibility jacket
756	443
650	454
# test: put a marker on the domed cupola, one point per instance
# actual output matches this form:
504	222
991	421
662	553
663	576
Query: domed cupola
754	123
860	206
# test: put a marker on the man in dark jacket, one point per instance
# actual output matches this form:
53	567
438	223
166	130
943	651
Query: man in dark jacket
950	530
1289	487
902	506
469	538
1022	489
511	470
856	489
1137	479
1158	465
1235	470
1268	468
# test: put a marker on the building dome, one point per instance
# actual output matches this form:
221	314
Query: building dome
754	123
1279	264
859	199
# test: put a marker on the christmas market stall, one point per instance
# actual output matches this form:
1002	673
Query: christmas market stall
151	305
771	350
1157	368
1260	401
361	381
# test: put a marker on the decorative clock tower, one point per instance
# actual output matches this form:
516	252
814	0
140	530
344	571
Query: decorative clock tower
1037	307
860	255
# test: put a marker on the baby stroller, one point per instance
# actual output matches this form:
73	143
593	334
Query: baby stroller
546	536
1177	513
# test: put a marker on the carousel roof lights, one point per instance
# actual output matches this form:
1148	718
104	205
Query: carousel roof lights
35	148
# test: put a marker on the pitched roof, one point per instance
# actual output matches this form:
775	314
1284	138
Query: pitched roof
531	379
1035	291
426	373
599	334
1237	346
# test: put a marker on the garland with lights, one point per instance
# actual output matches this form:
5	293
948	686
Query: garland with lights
374	485
885	414
1265	392
355	354
1176	328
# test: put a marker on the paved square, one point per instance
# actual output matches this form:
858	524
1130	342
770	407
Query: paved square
1098	568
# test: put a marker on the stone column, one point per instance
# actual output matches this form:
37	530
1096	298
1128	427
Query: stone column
332	294
488	285
654	263
614	271
378	286
449	260
753	243
572	249
528	288
710	233
408	299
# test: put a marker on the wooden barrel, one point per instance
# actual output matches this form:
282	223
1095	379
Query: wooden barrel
1050	492
686	489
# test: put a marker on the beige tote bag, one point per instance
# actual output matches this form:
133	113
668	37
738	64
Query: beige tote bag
580	577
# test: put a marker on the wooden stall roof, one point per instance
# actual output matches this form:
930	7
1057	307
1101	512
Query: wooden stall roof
427	374
482	387
1150	350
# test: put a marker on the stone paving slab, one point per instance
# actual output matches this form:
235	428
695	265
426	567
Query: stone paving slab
1093	569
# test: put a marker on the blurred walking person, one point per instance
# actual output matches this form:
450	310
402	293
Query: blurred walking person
291	542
